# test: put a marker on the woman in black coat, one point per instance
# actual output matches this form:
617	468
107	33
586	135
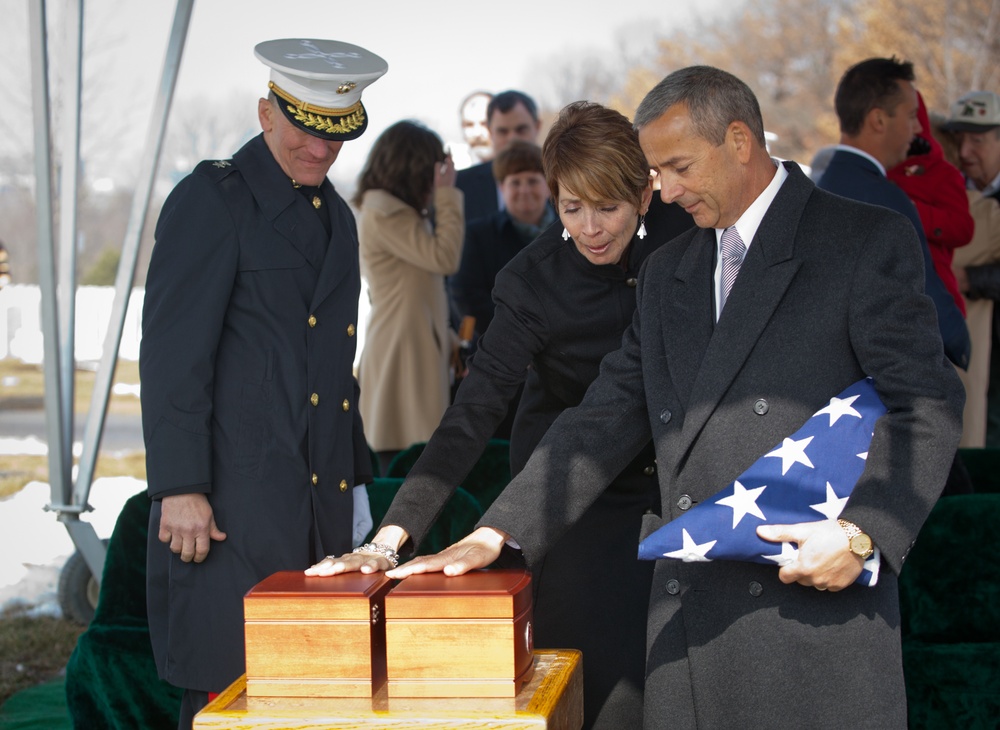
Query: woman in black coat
561	305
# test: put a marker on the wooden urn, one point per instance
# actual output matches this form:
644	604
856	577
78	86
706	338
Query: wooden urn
467	636
309	636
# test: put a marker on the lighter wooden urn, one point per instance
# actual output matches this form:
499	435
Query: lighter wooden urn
467	636
309	636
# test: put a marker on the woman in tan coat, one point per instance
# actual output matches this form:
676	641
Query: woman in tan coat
983	249
410	227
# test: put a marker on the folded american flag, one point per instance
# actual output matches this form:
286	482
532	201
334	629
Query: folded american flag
808	477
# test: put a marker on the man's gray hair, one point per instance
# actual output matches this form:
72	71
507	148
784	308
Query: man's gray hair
715	99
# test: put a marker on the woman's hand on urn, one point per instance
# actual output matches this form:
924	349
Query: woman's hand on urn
362	562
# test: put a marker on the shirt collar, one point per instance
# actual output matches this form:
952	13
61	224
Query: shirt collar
990	189
749	222
855	150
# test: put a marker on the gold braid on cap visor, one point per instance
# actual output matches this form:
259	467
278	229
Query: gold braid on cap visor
317	117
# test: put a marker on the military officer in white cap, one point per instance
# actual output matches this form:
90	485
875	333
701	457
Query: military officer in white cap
255	453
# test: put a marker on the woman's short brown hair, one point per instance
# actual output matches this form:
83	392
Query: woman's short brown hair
519	156
401	162
594	151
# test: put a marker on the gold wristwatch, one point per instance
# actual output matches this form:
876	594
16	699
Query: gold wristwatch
860	544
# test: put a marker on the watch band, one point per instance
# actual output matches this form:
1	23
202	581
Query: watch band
850	528
853	531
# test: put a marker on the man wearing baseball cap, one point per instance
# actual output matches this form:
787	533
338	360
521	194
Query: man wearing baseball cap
256	457
975	118
975	121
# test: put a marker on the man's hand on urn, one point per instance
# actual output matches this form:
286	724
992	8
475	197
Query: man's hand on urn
187	524
825	560
477	550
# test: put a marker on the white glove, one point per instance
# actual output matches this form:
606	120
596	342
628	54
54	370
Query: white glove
362	515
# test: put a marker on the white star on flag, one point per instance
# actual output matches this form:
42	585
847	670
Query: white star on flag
773	492
789	554
744	502
792	452
692	552
833	505
839	407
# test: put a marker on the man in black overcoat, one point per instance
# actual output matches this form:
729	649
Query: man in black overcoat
828	291
255	453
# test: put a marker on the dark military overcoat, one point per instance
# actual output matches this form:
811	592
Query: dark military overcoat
248	395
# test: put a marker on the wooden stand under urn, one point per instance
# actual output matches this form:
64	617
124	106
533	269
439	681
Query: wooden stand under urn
552	700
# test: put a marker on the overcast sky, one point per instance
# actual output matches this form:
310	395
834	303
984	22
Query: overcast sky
438	51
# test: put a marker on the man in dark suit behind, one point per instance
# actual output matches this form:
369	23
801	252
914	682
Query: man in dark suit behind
876	104
510	115
828	291
256	457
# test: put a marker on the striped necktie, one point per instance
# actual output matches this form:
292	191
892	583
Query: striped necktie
733	251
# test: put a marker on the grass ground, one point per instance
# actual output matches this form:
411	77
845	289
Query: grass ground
19	469
35	649
23	386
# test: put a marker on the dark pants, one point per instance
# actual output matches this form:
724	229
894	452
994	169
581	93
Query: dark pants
592	594
192	702
959	480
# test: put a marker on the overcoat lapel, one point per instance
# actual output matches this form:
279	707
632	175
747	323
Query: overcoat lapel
341	252
298	225
276	199
688	311
764	278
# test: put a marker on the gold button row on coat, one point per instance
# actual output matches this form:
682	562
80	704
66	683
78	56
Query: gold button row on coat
343	483
312	323
314	399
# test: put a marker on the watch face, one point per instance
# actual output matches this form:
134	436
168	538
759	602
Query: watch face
861	545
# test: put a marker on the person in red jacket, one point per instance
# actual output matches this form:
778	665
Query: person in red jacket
937	189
